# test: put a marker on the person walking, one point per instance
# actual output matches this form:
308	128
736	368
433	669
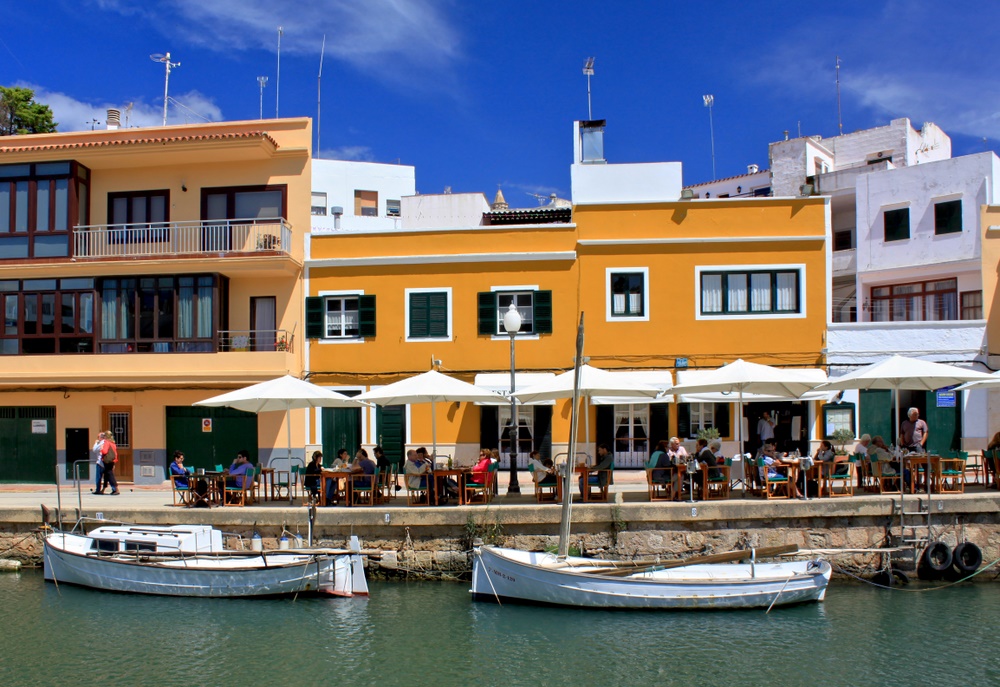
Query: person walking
109	456
98	464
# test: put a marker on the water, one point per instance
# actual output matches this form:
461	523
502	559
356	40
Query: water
426	633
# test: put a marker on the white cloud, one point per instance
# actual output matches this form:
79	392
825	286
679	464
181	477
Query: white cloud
395	40
354	153
72	114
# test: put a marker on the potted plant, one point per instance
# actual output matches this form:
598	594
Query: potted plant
708	434
840	438
281	344
239	343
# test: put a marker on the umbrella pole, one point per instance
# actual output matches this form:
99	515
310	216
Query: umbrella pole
743	457
288	427
902	472
434	433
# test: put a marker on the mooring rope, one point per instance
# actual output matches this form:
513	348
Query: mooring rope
917	591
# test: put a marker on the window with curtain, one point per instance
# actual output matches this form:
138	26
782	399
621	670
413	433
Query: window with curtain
36	204
702	417
523	303
342	317
758	292
627	294
158	314
930	301
631	430
526	429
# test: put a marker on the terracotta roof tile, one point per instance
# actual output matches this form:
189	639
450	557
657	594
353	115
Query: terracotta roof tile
132	141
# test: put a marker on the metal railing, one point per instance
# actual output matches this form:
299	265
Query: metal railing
256	340
182	238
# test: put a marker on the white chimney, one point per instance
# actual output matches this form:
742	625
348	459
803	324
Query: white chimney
752	169
114	119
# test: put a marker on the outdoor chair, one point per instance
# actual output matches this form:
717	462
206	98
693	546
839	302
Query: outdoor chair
546	490
661	487
717	481
842	473
234	495
362	489
418	496
774	486
990	469
182	494
885	477
950	475
596	484
480	492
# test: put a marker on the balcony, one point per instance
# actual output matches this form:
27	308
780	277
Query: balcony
256	340
192	238
860	343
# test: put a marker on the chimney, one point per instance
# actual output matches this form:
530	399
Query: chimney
752	169
114	119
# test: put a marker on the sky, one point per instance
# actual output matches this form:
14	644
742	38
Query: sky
481	94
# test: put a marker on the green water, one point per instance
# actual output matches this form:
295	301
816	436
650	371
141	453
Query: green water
417	634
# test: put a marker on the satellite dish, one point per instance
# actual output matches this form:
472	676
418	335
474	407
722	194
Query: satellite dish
157	57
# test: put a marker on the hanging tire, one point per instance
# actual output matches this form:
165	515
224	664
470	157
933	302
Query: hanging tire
883	578
967	558
937	557
900	578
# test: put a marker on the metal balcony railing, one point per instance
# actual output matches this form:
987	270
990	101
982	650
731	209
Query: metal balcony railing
256	340
182	238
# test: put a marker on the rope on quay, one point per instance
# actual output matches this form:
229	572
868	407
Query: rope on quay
917	591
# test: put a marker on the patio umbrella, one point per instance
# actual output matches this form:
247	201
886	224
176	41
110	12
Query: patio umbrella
742	377
428	387
284	393
594	383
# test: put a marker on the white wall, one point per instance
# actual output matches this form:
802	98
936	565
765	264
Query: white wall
339	179
742	185
444	210
647	182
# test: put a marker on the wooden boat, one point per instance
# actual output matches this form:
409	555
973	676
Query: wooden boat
183	560
510	575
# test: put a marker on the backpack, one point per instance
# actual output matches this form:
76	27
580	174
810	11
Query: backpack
112	454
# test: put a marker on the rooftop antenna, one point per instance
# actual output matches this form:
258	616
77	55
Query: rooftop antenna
93	123
262	81
709	101
840	119
277	81
588	71
319	94
128	113
165	59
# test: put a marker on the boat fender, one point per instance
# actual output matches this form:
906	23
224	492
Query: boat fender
900	577
887	578
283	543
256	543
967	557
937	557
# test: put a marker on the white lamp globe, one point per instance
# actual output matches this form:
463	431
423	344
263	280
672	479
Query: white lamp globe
512	320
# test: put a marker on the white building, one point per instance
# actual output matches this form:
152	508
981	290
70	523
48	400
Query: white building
352	196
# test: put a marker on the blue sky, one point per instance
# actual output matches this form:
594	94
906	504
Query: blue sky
481	93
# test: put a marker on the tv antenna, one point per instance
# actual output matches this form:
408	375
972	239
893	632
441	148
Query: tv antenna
277	81
128	113
840	119
709	101
262	81
319	95
542	199
165	59
588	71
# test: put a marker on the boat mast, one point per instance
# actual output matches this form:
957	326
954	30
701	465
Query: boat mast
567	476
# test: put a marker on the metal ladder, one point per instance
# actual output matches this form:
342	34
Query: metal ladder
913	532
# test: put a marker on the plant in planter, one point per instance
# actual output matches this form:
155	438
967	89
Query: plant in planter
240	343
281	344
840	438
708	434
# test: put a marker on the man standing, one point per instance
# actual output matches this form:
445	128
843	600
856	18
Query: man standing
913	432
765	427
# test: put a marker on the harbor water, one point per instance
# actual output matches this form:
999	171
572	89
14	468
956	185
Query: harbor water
430	633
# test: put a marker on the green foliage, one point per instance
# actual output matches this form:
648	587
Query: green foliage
708	433
841	437
20	114
490	532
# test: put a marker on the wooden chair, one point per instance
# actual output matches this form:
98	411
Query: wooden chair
990	469
182	494
418	496
776	486
717	480
596	484
384	484
830	474
950	475
362	489
546	490
973	466
242	495
661	488
480	492
885	481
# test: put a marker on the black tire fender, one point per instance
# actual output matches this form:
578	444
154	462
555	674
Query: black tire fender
967	558
937	557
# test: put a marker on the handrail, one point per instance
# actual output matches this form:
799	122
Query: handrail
184	237
76	480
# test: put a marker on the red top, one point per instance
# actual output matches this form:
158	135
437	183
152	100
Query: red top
480	470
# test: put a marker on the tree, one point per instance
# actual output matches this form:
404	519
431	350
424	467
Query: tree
20	114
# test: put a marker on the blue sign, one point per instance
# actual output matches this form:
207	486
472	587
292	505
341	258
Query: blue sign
945	399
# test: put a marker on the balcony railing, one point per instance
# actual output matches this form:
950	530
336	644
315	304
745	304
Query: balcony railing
256	340
182	238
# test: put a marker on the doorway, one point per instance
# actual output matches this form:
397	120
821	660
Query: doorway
263	323
118	419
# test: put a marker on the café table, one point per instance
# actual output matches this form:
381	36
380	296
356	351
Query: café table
267	483
212	492
339	477
441	482
925	464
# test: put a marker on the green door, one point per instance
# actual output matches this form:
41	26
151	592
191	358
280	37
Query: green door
944	422
28	444
210	436
341	429
875	414
391	423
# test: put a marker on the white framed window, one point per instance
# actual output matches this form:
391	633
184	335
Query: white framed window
341	317
702	417
428	314
392	208
627	294
631	432
526	429
318	203
524	303
750	292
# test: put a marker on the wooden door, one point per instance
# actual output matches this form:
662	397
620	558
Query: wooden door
118	419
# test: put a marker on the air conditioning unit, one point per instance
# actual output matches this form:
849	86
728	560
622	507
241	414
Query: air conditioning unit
147	471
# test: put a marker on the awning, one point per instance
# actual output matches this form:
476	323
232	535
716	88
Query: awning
694	376
661	379
500	383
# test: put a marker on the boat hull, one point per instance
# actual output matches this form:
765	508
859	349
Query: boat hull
508	575
66	561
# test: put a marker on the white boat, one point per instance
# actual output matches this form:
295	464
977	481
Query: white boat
509	575
190	560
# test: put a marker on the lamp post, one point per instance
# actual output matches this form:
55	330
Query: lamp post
512	323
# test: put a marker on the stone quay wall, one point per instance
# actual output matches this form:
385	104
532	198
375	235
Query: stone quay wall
430	542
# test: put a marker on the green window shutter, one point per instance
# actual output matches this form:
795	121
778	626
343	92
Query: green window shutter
315	325
366	315
487	304
722	419
437	311
419	316
659	424
542	306
684	420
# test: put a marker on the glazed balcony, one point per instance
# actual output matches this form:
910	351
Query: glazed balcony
190	238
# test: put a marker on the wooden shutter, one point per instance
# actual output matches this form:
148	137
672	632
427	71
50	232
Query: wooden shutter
684	420
542	306
366	315
722	420
437	314
659	424
543	430
419	316
487	306
875	414
489	433
315	316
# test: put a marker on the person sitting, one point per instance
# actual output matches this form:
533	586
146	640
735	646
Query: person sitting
481	468
863	443
384	464
605	461
678	454
988	464
661	459
241	466
342	460
416	472
178	471
705	457
544	472
880	452
363	465
313	473
772	459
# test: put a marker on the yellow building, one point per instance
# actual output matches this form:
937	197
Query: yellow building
665	284
142	270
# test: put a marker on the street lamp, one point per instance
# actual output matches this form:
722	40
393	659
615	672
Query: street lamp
512	323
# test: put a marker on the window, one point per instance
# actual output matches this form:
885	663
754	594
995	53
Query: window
837	416
897	224
253	203
525	430
318	203
843	240
535	308
628	294
340	316
702	417
750	293
37	202
930	301
366	203
631	431
392	208
948	217
138	217
692	417
428	314
972	305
